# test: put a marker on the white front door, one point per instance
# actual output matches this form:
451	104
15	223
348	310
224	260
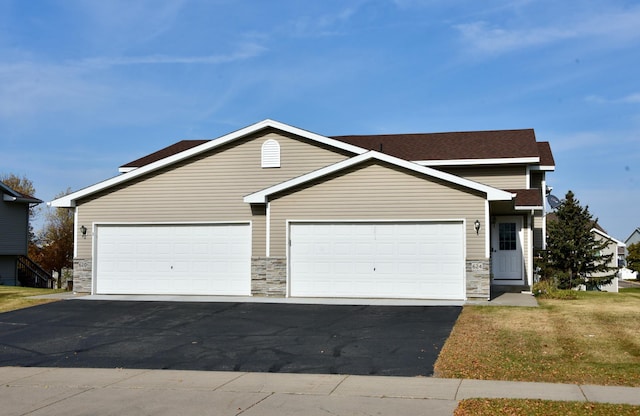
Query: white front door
506	249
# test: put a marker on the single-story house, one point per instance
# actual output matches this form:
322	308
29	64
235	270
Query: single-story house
14	233
275	210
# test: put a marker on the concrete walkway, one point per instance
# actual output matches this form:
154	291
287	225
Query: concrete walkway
73	391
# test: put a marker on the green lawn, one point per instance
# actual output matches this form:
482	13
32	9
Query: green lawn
16	297
594	339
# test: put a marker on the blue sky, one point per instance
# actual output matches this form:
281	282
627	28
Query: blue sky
86	86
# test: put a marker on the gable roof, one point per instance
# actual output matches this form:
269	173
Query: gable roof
601	232
153	163
634	232
429	149
10	195
493	194
595	228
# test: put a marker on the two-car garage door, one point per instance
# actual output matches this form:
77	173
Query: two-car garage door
198	259
378	260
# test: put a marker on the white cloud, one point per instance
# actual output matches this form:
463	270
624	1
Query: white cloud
246	51
627	99
324	25
483	37
124	22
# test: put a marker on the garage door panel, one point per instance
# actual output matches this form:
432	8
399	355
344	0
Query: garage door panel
403	260
210	259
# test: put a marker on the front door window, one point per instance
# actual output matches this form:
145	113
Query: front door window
507	236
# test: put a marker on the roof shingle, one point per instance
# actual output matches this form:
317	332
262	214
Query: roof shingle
171	150
492	144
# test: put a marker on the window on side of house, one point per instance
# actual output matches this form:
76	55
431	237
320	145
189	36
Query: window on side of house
271	154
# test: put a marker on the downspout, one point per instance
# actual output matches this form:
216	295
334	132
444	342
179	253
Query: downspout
268	229
530	249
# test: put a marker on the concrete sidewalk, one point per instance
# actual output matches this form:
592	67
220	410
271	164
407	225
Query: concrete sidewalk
73	391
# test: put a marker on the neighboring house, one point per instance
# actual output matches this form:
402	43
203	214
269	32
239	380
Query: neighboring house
274	210
613	247
633	238
14	232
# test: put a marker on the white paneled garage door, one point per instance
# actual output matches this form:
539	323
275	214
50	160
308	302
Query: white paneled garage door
420	260
211	259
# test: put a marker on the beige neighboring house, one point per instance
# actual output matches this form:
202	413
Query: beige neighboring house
614	247
275	210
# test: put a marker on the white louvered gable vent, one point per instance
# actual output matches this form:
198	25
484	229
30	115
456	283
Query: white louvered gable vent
271	154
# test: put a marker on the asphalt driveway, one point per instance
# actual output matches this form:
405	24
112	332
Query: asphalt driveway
260	337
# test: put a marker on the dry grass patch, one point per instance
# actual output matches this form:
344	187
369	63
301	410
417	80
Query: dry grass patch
16	297
594	339
491	407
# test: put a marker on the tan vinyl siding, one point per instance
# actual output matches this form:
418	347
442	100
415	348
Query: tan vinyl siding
206	188
376	192
506	177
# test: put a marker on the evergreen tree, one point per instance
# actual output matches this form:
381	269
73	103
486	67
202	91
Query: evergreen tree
573	250
633	259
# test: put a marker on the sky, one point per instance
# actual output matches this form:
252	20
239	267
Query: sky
86	86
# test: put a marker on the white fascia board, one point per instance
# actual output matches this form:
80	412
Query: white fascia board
546	168
69	200
126	169
493	194
529	208
608	237
475	162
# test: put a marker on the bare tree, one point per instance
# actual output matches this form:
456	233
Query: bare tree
56	239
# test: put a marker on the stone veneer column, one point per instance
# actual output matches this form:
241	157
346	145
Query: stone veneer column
82	275
478	278
269	276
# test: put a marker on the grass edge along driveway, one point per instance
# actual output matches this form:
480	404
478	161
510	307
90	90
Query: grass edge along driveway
594	339
17	297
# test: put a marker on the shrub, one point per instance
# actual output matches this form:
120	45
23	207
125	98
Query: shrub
547	289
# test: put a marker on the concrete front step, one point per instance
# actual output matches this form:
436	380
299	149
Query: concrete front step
498	289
